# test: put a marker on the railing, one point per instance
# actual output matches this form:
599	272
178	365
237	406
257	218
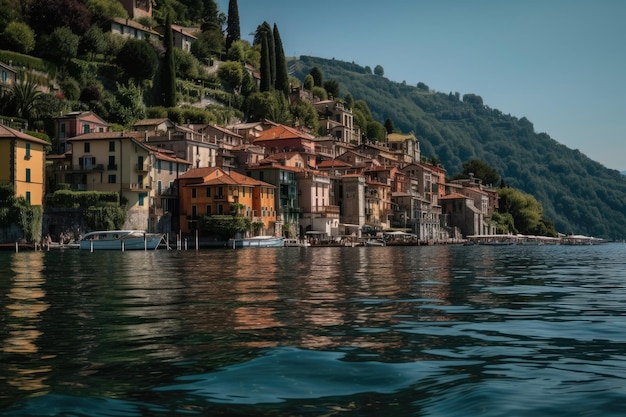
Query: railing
135	187
326	211
87	168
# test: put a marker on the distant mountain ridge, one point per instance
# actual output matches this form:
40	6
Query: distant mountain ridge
578	194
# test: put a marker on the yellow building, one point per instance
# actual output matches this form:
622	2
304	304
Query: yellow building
22	164
115	162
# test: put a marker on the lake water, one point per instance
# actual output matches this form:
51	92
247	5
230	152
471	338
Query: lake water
367	331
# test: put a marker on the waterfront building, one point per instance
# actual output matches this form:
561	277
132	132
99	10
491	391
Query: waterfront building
22	161
114	162
282	170
213	191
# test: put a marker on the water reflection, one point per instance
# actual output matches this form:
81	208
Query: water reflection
429	329
24	309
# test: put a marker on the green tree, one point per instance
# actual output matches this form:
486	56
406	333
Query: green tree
138	60
316	73
375	131
349	101
306	115
103	11
320	93
231	74
48	15
309	83
233	32
237	51
169	66
270	105
266	72
389	126
93	43
526	211
62	45
332	88
379	70
480	169
25	97
264	37
19	37
282	75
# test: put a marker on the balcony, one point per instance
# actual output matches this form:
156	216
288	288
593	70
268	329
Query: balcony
135	187
88	168
327	211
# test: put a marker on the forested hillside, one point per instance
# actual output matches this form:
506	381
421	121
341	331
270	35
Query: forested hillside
579	195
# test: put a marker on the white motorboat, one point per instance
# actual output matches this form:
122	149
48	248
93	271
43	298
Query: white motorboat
120	240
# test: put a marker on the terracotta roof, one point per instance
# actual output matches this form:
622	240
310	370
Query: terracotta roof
334	163
282	132
133	24
232	178
183	31
108	136
152	122
7	132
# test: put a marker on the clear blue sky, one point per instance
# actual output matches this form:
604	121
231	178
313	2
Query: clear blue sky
559	63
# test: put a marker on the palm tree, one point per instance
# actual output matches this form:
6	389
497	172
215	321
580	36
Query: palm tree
25	96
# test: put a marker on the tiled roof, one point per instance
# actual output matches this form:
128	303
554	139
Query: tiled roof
7	132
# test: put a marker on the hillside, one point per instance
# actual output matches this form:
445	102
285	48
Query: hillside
579	195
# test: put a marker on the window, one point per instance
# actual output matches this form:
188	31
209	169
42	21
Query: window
86	147
159	187
28	151
28	197
193	193
27	174
140	181
171	167
208	210
112	179
86	128
112	164
112	146
220	209
194	211
208	191
142	198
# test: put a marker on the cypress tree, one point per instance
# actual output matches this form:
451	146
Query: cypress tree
266	30
233	32
282	76
266	76
169	68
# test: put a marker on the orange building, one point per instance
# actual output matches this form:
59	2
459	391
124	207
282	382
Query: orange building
212	191
22	164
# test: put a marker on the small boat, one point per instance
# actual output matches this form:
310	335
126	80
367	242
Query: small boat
297	243
375	242
120	240
257	242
